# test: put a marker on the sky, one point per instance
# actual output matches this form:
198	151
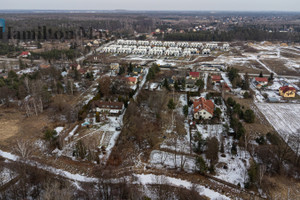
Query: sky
198	5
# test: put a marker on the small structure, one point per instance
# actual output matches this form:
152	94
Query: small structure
132	80
137	70
287	91
190	83
194	75
260	81
273	100
44	66
206	52
216	78
111	108
115	67
203	108
25	54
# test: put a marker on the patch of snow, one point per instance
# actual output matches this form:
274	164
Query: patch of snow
146	179
71	133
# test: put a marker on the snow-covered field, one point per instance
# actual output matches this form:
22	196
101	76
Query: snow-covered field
285	118
161	159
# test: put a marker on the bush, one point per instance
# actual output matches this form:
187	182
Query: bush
97	117
185	110
233	149
171	104
201	165
273	138
249	116
260	140
246	95
231	102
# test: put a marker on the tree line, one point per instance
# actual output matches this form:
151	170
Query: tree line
237	33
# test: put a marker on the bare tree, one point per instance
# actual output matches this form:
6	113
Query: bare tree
24	149
262	170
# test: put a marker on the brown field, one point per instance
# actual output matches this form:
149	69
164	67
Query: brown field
277	66
261	125
251	67
15	125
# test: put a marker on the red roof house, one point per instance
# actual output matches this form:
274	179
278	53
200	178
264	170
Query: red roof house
203	108
261	79
216	78
195	75
287	91
132	80
25	54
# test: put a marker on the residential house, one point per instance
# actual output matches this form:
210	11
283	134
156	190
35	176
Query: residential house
137	70
25	54
260	81
111	108
287	91
190	83
203	108
44	66
194	75
132	80
216	78
115	67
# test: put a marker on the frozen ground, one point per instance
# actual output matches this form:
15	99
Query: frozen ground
6	175
284	117
161	159
146	179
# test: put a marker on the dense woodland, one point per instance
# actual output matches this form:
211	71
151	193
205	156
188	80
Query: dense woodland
241	34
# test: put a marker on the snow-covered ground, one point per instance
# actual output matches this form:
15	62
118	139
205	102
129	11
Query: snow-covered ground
182	142
147	179
237	165
140	178
284	117
210	130
59	129
226	79
162	62
75	177
71	133
161	159
28	70
6	175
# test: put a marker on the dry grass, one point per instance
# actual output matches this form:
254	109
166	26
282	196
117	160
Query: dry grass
278	66
16	126
281	187
250	67
261	125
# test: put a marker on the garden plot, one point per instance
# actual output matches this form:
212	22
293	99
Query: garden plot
161	159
